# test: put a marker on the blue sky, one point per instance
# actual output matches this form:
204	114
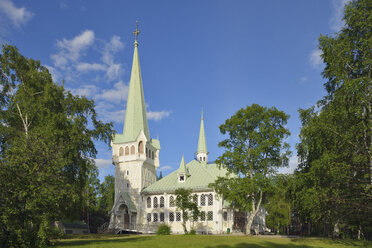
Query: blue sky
217	55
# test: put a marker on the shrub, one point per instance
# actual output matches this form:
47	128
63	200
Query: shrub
192	232
163	229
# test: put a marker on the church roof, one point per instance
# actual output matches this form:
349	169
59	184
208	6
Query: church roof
135	114
200	176
202	144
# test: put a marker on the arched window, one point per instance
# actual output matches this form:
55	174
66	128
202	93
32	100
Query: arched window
132	150
148	202
161	201
202	200
155	202
202	216
155	217
171	216
204	158
210	200
152	154
126	150
195	198
200	159
140	147
171	201
147	152
121	151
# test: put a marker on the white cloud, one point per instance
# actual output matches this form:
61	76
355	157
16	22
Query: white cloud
303	79
18	16
336	22
116	95
114	70
70	50
103	163
315	58
165	168
157	116
293	163
85	67
85	90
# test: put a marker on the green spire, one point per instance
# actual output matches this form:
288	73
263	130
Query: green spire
135	115
182	168
202	144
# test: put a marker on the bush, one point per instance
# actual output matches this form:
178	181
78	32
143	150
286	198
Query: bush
163	229
192	232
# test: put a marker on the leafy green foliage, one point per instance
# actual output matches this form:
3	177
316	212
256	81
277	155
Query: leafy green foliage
163	229
334	179
188	207
46	151
254	150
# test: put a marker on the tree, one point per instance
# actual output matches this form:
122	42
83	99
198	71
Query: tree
334	179
187	206
46	150
254	149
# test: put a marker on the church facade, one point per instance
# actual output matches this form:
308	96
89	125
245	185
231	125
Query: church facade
141	202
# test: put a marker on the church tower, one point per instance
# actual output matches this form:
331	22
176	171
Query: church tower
135	155
202	153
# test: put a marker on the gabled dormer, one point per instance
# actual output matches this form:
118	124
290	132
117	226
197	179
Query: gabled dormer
182	171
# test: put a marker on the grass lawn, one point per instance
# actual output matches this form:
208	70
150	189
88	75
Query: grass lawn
201	241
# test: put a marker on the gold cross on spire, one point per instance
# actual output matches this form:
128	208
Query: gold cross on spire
136	32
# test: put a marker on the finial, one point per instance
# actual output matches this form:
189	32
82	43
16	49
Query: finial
136	33
202	113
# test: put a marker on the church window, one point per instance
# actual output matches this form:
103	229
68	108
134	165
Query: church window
126	150
147	152
225	216
195	198
148	217
155	217
171	216
178	216
202	216
204	159
210	200
127	185
171	201
200	158
202	200
210	215
140	147
161	201
152	154
121	151
161	217
148	202
155	202
127	172
132	151
195	217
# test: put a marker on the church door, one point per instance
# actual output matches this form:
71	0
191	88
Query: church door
124	216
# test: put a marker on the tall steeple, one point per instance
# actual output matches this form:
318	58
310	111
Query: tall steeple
135	115
202	153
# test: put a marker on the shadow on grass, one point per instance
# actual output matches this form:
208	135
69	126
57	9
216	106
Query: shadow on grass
114	239
266	244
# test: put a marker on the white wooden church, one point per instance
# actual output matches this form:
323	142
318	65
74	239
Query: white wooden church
141	202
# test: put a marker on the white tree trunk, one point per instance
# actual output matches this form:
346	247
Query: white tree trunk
336	230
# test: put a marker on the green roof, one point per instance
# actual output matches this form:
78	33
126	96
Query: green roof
201	175
124	196
135	114
202	144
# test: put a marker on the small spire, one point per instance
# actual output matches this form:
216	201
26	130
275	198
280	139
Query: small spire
136	33
183	168
202	113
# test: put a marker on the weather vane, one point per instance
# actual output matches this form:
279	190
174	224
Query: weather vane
136	32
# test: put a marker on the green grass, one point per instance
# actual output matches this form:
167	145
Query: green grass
201	241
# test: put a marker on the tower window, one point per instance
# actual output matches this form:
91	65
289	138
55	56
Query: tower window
121	151
132	150
140	147
126	150
127	172
161	201
152	154
155	202
149	203
204	159
200	159
147	152
127	185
